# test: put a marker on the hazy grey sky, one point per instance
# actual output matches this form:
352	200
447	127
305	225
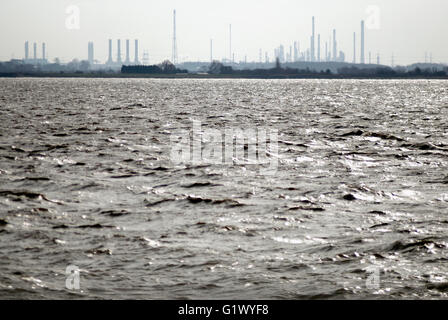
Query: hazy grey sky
407	28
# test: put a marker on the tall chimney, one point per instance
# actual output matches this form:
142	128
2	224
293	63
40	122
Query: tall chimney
313	37
91	53
35	51
335	46
230	43
43	52
354	47
128	58
27	50
136	53
211	50
362	43
318	47
295	51
110	60
311	49
119	51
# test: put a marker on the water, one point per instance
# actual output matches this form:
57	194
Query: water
357	208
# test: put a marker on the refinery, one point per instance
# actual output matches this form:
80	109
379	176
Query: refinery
316	55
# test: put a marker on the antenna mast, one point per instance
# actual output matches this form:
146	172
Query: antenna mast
174	54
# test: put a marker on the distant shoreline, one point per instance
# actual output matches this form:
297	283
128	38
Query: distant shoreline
218	76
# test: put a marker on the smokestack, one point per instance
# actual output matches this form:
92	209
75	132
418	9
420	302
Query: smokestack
362	43
354	47
136	53
35	51
119	51
211	50
335	46
128	57
230	43
110	60
27	50
313	37
295	51
318	47
311	49
43	52
91	53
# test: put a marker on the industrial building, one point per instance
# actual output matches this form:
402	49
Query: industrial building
314	53
119	62
35	60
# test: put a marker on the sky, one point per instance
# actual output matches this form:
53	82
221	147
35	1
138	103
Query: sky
405	29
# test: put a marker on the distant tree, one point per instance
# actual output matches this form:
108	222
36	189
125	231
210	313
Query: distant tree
141	69
215	68
164	68
218	68
385	71
167	66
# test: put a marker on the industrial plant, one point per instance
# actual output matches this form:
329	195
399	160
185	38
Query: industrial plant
318	56
35	59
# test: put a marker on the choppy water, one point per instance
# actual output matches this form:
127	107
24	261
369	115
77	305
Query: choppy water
86	180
